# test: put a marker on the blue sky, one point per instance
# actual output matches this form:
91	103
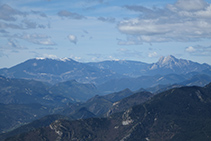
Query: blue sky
97	30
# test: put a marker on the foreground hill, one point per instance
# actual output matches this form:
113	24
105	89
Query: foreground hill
177	114
97	106
14	115
22	101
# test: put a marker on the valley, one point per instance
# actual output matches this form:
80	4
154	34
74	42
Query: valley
111	100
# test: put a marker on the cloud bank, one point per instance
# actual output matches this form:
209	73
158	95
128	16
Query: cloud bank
186	20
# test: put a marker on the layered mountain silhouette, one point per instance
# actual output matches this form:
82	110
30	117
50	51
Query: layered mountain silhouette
57	70
62	99
177	114
21	91
98	106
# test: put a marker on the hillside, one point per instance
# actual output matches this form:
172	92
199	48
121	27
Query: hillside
59	70
177	114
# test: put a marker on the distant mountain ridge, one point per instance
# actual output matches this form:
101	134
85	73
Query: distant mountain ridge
54	71
58	70
21	91
170	64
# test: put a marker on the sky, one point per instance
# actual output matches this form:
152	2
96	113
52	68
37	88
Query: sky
98	30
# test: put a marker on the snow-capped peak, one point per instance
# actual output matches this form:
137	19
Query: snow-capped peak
40	58
65	59
58	59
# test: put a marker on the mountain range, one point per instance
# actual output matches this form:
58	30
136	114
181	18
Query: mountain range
112	76
14	115
177	114
21	91
55	70
58	70
62	99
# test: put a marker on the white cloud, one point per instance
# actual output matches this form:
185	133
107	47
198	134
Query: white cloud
199	50
39	39
190	5
106	19
12	44
152	54
73	39
178	22
190	49
70	15
16	19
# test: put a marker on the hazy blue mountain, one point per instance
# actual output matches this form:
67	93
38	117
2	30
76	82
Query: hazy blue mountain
22	101
140	82
20	91
98	105
161	88
57	70
165	65
14	115
197	80
116	96
123	67
170	64
74	90
177	114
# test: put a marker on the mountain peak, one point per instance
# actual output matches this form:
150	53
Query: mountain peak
168	59
58	59
168	62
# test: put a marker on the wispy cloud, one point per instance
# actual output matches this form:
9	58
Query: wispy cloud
183	21
199	50
71	15
39	13
2	54
153	54
12	44
15	19
131	40
127	54
3	31
39	39
106	19
7	13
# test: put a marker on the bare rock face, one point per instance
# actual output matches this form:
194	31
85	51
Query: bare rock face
171	64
